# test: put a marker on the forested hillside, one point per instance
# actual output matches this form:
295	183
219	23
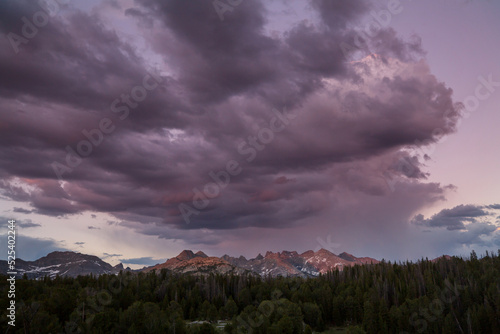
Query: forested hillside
444	296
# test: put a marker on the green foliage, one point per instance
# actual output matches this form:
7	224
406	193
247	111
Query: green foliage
445	296
230	310
312	314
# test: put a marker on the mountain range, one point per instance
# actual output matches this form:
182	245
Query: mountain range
286	263
62	264
307	264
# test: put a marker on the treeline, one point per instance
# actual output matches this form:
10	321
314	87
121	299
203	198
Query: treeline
446	296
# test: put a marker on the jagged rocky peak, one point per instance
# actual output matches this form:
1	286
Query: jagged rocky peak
288	254
259	257
189	263
119	266
281	255
201	254
268	254
347	256
185	255
324	251
188	254
308	253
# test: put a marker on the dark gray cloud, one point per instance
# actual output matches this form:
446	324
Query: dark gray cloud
22	210
224	80
93	228
338	15
27	223
455	218
106	255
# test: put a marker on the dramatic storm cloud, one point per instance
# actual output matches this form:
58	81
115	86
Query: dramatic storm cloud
209	124
453	219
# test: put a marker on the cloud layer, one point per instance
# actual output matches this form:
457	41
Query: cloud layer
282	128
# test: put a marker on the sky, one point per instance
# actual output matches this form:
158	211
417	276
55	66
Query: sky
134	129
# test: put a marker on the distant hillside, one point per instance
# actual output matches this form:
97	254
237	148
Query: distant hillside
62	264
